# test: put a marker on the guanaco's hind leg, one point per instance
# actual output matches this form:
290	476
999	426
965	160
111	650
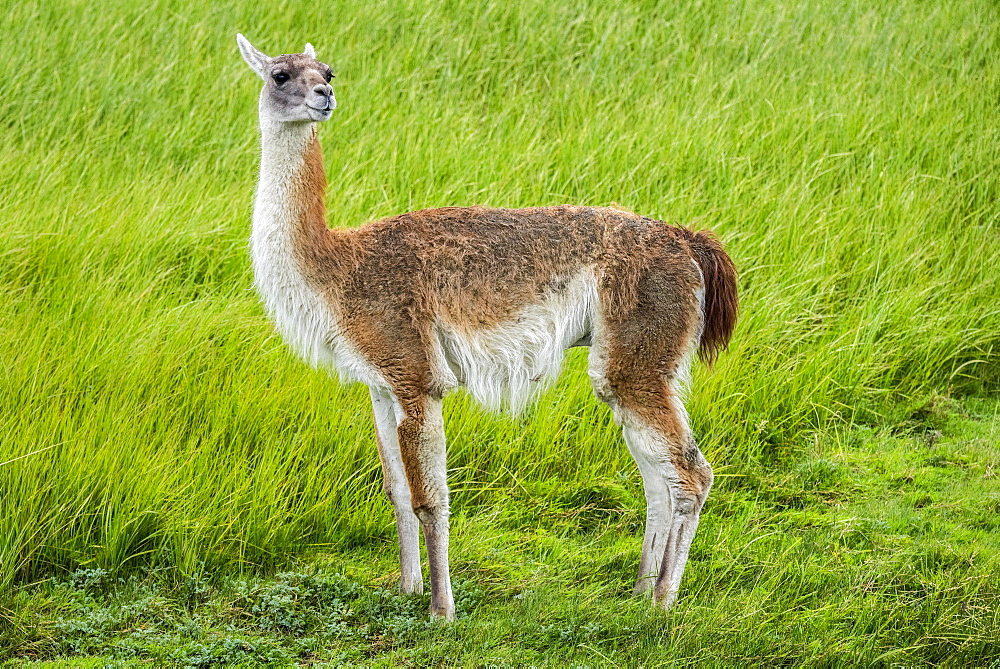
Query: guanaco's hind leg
688	498
398	491
422	445
648	328
676	478
649	456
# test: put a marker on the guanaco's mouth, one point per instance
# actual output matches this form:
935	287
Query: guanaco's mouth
320	113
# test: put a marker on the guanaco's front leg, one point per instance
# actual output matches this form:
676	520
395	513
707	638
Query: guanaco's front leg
398	491
422	445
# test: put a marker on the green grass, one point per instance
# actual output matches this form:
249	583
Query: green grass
153	426
874	547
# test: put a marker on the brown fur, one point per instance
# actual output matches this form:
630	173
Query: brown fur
721	299
409	443
474	268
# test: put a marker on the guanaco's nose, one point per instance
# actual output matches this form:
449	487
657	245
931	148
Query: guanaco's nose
323	89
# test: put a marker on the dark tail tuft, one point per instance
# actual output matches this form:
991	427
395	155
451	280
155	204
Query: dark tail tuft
721	301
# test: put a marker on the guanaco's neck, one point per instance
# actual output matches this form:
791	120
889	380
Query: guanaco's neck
290	241
291	195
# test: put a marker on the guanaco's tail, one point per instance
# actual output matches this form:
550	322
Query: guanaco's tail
721	301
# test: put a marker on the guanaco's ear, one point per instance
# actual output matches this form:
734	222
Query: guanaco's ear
310	51
257	61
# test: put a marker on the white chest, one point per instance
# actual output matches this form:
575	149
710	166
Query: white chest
298	311
306	318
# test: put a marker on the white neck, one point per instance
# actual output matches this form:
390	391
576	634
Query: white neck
279	221
278	209
283	147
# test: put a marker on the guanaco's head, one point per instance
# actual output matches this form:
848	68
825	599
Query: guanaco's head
296	86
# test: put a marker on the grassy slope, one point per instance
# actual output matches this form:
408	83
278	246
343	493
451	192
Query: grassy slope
846	154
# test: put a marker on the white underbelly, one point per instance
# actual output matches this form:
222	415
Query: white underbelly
507	365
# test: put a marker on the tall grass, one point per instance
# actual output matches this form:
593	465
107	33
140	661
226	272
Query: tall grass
846	153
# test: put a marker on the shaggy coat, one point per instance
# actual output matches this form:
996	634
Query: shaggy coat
489	299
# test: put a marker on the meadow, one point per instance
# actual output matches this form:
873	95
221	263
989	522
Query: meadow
177	488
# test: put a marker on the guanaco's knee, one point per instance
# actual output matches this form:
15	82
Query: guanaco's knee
696	479
423	462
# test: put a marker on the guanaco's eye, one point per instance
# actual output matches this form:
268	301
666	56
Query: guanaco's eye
279	77
329	75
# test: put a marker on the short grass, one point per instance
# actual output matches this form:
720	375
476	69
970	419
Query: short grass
166	465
